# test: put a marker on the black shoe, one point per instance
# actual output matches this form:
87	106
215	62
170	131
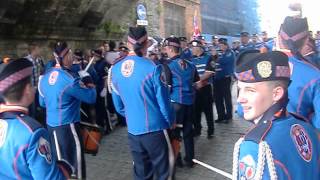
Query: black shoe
179	162
210	136
218	121
189	164
227	121
196	134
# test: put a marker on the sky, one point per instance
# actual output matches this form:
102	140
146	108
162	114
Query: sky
273	12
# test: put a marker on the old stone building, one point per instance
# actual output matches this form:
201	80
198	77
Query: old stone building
85	23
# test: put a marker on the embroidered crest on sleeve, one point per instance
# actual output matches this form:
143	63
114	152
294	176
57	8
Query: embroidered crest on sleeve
44	149
127	68
183	65
302	141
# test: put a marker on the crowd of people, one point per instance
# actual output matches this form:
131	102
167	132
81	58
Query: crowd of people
159	90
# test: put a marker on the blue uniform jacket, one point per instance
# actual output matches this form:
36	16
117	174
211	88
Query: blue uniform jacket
225	64
184	75
304	91
294	147
186	54
101	67
140	95
25	149
244	47
203	63
61	94
75	68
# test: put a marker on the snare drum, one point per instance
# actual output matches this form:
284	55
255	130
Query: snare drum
91	134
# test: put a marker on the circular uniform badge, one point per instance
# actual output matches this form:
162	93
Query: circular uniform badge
44	149
247	167
302	141
264	69
127	68
53	77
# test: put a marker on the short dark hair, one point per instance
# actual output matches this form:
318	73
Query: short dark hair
282	83
15	92
112	45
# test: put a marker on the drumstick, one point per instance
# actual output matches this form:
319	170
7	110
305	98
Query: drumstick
90	62
225	174
57	145
56	57
86	115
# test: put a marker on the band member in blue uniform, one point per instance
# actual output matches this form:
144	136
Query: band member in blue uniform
25	149
245	42
304	89
280	145
101	67
222	82
184	75
61	93
185	50
204	98
267	43
139	94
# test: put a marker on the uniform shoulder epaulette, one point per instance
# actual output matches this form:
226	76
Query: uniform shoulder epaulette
299	117
118	60
258	133
28	121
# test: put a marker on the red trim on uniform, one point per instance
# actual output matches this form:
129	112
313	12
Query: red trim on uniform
26	125
21	148
303	91
145	100
60	103
284	168
267	130
180	84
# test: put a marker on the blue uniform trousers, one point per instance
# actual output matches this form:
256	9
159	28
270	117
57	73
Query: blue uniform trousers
222	97
152	155
203	103
184	117
70	150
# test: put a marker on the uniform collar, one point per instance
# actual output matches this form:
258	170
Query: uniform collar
13	108
174	57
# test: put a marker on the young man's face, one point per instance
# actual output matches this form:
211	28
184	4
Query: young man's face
244	39
255	98
196	50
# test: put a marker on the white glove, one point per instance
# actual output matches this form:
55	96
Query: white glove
103	93
83	74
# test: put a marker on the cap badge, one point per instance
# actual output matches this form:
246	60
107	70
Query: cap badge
264	69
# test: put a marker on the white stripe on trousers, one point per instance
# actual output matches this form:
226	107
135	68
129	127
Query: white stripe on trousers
171	155
78	149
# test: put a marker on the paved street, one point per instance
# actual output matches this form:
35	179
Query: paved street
113	162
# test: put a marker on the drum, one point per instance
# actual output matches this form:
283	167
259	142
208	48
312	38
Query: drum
91	134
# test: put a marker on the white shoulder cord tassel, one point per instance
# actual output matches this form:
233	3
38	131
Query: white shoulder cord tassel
263	154
261	161
236	159
271	166
109	80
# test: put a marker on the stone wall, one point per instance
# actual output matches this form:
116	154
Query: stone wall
82	23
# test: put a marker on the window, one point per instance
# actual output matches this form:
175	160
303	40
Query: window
174	20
